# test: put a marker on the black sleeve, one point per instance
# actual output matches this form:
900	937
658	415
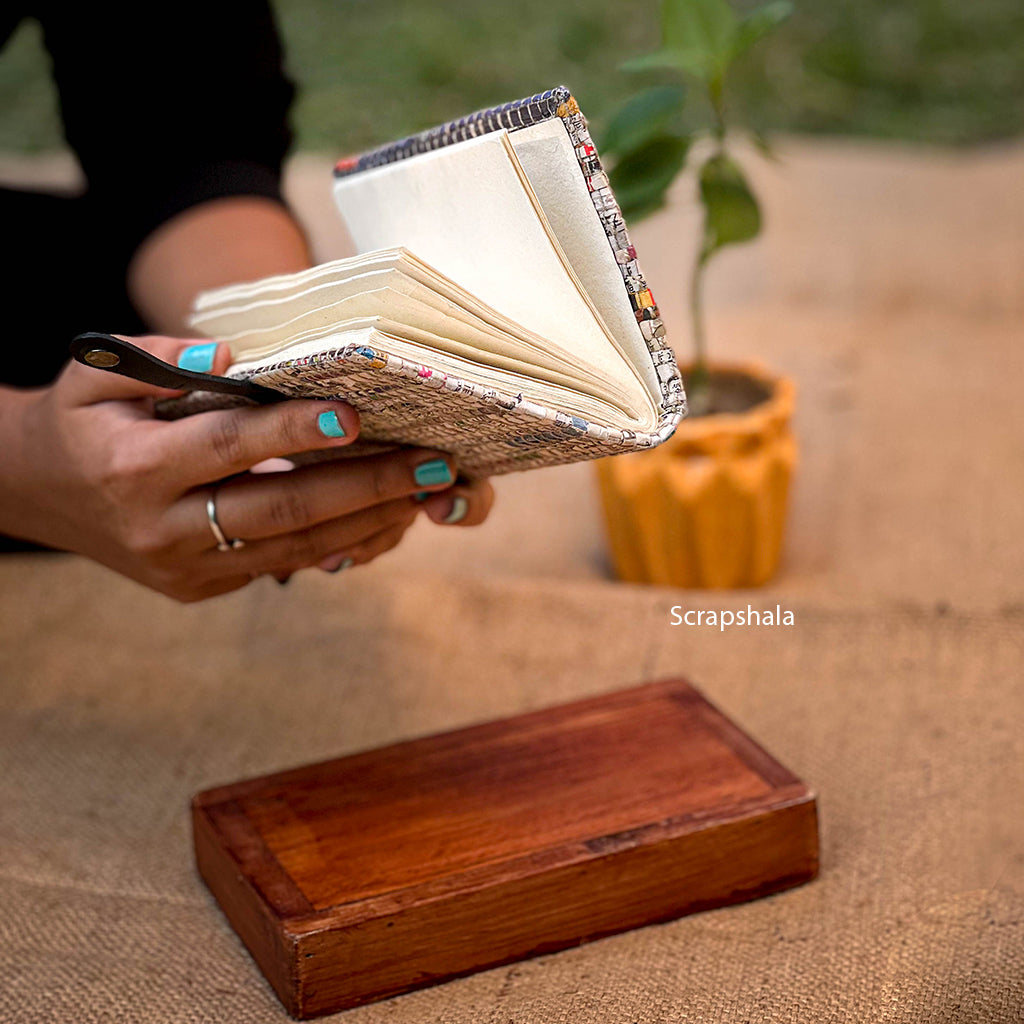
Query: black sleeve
169	104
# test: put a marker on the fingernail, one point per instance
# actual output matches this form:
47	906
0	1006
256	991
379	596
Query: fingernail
336	565
427	474
329	424
198	357
459	509
422	495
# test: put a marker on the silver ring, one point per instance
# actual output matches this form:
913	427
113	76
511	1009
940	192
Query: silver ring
223	544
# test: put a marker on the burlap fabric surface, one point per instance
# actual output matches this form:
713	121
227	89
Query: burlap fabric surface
893	296
117	705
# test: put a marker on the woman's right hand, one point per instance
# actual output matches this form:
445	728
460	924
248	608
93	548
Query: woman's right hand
91	470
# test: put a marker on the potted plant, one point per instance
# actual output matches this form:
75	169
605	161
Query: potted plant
707	508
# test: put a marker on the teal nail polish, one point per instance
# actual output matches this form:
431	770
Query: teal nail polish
422	495
329	424
198	357
427	474
346	563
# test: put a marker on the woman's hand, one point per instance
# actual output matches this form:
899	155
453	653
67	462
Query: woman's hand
91	470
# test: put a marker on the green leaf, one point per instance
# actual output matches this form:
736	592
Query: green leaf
702	37
637	210
758	24
690	63
643	175
647	115
699	27
731	214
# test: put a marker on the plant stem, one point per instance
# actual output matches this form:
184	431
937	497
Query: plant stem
699	375
699	392
716	95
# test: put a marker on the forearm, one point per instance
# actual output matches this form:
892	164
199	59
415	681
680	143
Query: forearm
224	241
16	513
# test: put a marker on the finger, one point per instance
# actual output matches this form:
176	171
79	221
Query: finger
269	505
222	585
87	385
465	504
205	357
213	445
282	555
371	548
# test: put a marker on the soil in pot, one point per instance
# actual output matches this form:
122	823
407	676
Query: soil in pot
723	391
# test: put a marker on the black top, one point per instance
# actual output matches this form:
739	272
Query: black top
166	104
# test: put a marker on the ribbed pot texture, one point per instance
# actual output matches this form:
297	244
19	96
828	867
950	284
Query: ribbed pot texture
708	507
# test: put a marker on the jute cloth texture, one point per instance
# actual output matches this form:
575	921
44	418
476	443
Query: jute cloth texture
893	296
117	705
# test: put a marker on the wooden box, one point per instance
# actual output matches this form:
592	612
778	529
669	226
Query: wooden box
373	874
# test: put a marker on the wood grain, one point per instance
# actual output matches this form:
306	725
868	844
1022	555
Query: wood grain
373	874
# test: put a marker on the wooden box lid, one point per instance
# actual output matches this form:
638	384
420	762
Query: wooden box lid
369	875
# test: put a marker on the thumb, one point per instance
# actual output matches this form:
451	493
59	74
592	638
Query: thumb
87	385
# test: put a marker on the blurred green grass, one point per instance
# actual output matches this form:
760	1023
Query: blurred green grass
934	71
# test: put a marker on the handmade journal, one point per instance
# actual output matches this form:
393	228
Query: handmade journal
495	308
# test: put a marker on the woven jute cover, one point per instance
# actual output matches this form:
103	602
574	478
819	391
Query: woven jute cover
116	705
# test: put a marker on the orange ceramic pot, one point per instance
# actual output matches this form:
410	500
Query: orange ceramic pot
708	507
